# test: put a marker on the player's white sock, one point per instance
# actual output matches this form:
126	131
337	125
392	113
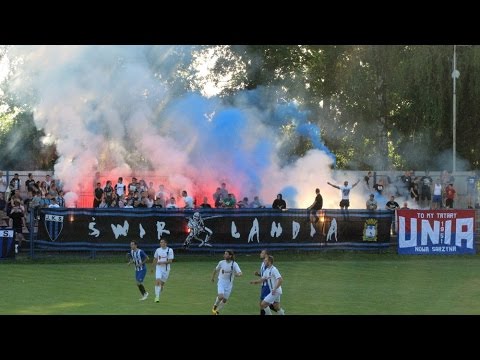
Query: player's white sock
216	302
220	306
268	311
157	291
281	311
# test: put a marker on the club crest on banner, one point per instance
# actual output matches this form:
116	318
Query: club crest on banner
370	230
53	225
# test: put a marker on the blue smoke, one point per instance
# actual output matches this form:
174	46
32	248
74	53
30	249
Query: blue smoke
224	138
289	193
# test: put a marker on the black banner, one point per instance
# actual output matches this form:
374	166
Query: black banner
237	228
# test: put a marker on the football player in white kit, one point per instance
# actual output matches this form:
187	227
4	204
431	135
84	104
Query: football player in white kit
274	280
162	259
227	270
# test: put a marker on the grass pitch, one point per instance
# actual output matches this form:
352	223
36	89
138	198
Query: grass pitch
314	284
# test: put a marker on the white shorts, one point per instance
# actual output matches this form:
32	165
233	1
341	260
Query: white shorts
272	298
224	287
161	273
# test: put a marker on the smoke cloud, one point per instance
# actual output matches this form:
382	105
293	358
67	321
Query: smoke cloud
113	109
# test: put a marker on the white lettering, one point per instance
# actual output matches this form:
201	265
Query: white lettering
120	230
449	215
142	231
161	229
91	226
234	231
447	232
444	248
312	230
437	232
422	249
402	241
255	230
295	229
428	232
276	230
467	235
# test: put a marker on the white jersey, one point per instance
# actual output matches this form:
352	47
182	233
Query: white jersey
345	191
227	270
162	255
271	275
437	190
120	189
188	202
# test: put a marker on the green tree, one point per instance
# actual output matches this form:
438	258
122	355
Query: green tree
21	145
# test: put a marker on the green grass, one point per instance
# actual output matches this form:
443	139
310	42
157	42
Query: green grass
338	283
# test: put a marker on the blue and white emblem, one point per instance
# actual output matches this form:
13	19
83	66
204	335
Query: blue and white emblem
53	225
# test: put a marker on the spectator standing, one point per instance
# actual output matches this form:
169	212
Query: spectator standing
392	205
366	179
472	191
187	199
406	181
3	206
218	197
426	196
162	195
98	195
345	189
18	219
379	187
133	187
371	203
449	196
120	188
437	195
15	183
3	184
109	193
414	192
224	191
30	183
